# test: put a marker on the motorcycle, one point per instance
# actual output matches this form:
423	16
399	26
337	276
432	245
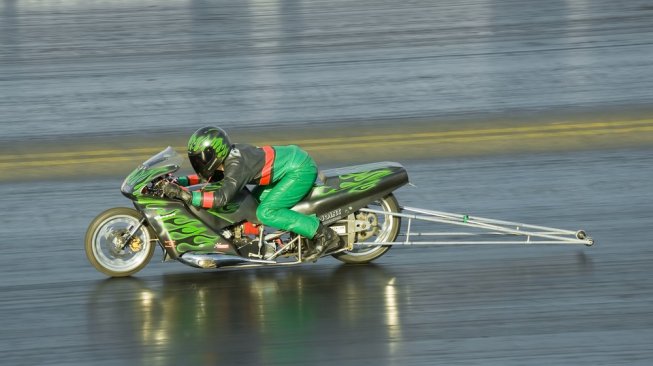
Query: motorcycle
356	202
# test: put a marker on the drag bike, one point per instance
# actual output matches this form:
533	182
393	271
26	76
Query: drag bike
357	202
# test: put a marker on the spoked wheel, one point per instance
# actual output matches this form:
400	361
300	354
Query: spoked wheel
382	228
109	248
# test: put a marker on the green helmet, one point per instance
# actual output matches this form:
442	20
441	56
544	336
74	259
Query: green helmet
207	149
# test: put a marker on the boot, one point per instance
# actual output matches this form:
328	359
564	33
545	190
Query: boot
325	240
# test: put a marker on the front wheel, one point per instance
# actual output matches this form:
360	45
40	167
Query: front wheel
109	248
383	228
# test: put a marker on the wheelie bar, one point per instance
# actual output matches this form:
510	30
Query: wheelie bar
484	230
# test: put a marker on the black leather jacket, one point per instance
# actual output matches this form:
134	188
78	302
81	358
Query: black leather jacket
244	165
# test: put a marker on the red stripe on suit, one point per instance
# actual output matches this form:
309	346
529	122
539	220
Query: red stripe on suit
266	173
207	199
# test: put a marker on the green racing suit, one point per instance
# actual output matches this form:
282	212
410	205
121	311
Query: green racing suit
283	176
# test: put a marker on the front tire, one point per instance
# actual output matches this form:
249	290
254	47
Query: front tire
385	228
105	244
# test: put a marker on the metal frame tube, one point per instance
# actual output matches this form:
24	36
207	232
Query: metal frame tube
487	220
534	234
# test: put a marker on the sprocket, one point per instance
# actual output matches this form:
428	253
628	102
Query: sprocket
373	226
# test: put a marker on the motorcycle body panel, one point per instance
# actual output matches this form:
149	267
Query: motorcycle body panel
179	230
346	190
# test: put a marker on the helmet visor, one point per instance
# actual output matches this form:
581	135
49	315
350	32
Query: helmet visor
201	162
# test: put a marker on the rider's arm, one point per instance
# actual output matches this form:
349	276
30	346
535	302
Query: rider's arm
189	180
236	176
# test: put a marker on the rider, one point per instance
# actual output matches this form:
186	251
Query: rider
287	171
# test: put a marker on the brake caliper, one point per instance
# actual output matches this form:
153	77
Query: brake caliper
135	244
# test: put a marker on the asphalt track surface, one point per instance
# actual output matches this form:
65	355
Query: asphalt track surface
122	67
494	90
490	305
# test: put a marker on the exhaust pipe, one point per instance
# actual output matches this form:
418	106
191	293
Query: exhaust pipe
216	260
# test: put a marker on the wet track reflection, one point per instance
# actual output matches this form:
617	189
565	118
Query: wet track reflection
342	314
253	317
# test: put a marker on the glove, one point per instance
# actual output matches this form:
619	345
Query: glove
171	190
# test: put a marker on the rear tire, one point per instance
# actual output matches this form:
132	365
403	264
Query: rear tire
104	244
388	229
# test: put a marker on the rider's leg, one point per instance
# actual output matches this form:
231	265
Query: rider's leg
276	201
274	209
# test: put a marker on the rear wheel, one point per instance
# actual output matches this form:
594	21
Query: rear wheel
107	245
383	228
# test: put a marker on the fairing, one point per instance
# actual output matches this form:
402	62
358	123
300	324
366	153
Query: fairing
179	230
165	162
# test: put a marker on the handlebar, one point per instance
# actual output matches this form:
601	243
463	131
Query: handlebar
156	186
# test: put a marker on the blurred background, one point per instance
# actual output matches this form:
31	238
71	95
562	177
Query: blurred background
521	110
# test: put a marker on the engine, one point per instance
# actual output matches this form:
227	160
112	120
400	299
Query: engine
245	237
